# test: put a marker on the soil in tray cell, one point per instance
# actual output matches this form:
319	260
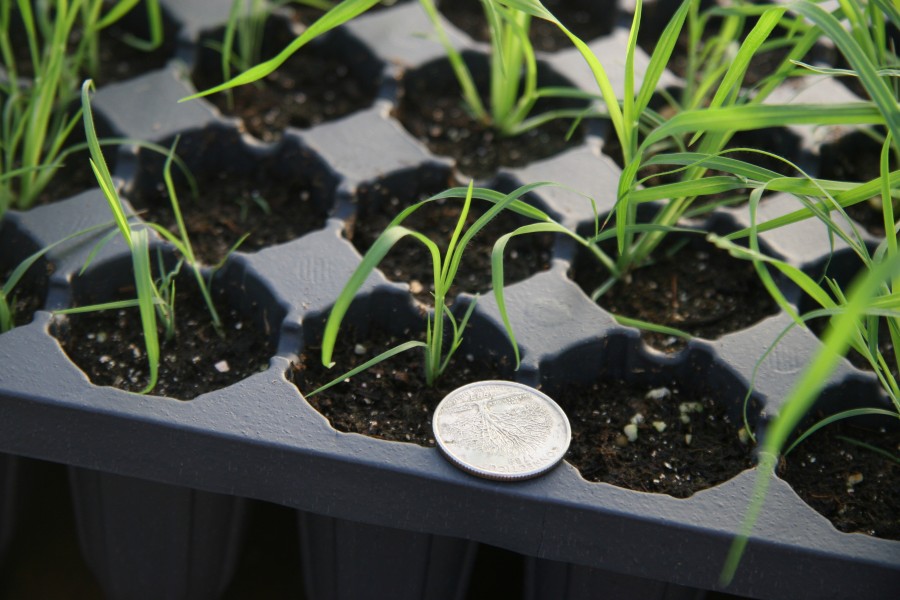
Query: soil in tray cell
390	400
323	81
270	199
682	442
856	488
689	285
431	108
109	347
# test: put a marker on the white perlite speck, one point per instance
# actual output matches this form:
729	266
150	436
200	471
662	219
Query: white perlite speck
660	393
222	366
631	432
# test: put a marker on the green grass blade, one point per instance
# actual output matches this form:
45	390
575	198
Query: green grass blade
536	9
731	82
369	363
859	61
835	344
380	247
847	414
660	57
146	294
340	14
497	272
748	117
652	327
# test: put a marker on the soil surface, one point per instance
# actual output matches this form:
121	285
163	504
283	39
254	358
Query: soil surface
857	489
588	19
390	400
690	285
109	347
409	261
669	455
271	205
321	82
431	108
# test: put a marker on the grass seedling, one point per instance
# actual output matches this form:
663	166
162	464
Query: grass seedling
649	141
437	349
155	298
513	72
35	124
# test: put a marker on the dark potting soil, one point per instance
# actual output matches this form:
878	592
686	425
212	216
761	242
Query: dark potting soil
271	206
109	347
317	84
390	400
858	490
409	261
431	108
693	287
588	19
685	441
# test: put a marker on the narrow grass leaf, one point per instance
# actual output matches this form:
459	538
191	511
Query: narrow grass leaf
340	14
835	344
369	363
380	247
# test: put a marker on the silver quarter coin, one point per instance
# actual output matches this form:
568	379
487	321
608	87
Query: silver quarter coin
501	430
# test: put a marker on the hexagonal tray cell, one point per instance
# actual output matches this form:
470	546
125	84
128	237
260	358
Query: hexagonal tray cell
588	19
274	194
857	157
119	58
30	294
688	284
109	345
390	400
379	202
847	471
431	108
330	78
650	425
